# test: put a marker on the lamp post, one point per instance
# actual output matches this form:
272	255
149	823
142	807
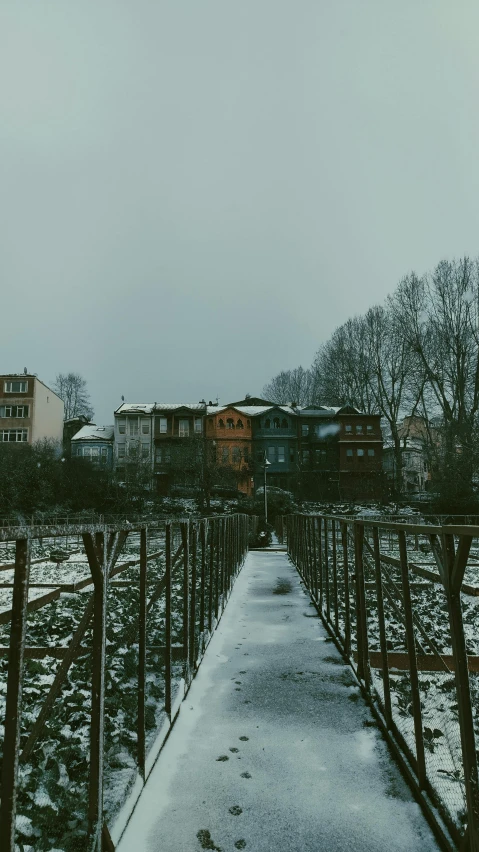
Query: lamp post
266	464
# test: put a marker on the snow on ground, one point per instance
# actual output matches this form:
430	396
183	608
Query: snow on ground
274	748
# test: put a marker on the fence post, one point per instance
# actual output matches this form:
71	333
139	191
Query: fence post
203	536
326	570
168	618
13	711
335	577
411	649
361	613
142	653
192	641
455	565
185	536
97	558
382	628
347	611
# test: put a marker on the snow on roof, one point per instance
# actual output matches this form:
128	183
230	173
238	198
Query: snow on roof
94	433
151	407
194	406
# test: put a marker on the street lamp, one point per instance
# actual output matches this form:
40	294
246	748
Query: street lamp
266	464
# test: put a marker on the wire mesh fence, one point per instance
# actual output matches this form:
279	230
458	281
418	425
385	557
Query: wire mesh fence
402	601
91	678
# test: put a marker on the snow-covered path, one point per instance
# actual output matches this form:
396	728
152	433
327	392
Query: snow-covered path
274	749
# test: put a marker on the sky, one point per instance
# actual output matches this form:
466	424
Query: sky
195	193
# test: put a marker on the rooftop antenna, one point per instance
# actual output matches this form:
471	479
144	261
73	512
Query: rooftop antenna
123	399
25	370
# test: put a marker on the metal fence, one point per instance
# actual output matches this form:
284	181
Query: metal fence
101	631
402	603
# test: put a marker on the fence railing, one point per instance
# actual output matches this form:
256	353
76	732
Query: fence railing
401	601
91	679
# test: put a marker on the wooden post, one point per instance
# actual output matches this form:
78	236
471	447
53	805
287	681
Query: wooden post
455	565
96	554
347	604
193	597
13	711
203	538
335	577
168	619
185	537
326	570
382	628
411	649
142	654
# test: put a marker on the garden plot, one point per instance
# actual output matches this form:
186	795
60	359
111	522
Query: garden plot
433	641
53	782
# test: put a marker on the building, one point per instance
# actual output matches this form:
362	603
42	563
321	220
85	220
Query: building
94	443
133	434
316	452
229	434
29	410
70	428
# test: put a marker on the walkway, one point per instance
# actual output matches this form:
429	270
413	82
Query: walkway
274	749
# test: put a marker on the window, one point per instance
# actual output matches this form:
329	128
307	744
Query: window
267	424
276	423
304	430
121	451
145	428
162	455
104	455
198	425
349	454
163	422
281	456
145	451
369	428
236	453
14	435
284	423
225	455
291	454
133	427
359	428
95	453
221	423
122	427
348	427
370	453
246	453
14	410
272	454
305	456
239	424
76	451
360	454
230	423
16	387
87	452
184	428
260	455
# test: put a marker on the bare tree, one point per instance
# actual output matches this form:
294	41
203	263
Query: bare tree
341	371
290	386
395	384
439	316
72	389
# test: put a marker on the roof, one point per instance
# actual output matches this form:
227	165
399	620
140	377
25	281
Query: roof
254	410
252	400
94	433
151	407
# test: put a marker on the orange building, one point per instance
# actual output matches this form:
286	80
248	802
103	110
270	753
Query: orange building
230	432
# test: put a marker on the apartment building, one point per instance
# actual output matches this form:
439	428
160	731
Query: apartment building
29	410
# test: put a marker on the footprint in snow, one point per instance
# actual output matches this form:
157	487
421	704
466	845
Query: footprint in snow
222	757
244	739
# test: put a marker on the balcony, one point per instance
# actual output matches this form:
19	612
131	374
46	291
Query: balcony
275	433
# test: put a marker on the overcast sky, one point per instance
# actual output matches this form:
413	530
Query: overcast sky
195	193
